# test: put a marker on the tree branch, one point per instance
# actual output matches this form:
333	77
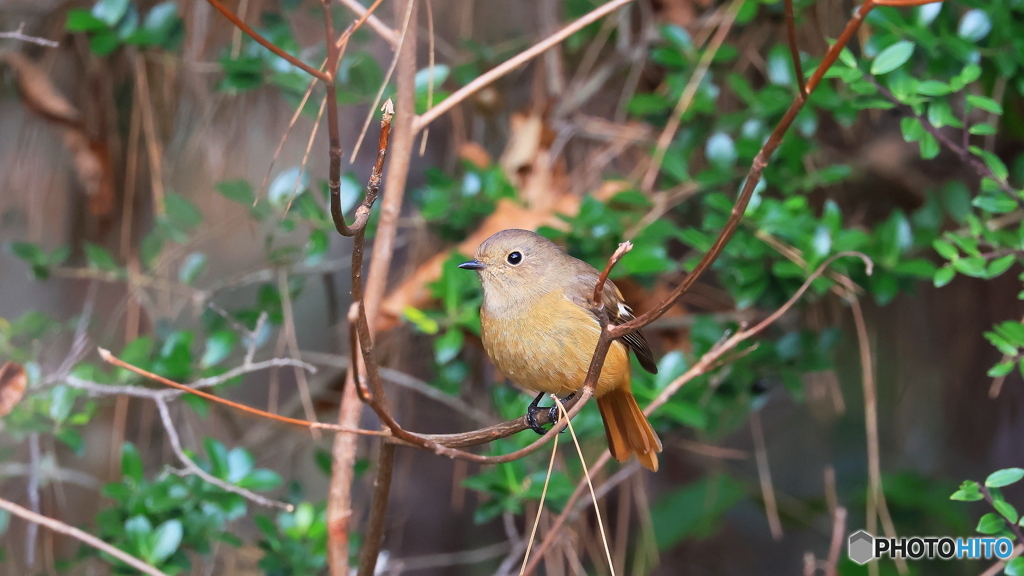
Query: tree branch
68	530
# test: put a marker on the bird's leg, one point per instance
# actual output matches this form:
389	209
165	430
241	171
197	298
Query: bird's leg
534	408
554	411
531	415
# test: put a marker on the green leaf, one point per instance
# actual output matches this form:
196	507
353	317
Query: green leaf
62	400
182	213
1007	510
260	480
422	80
99	258
28	252
1004	477
721	150
943	276
138	529
240	464
1015	567
1001	369
985	103
218	347
237	191
973	266
974	25
316	247
131	462
1000	265
110	12
991	523
448	346
892	57
287	185
945	249
982	129
191	267
160	24
420	320
82	20
968	492
165	541
998	203
933	88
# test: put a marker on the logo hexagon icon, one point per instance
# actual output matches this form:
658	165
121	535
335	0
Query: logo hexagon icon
860	547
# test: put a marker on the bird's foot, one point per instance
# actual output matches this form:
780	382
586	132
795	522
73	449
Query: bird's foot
534	408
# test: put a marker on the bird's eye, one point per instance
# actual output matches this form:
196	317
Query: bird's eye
514	258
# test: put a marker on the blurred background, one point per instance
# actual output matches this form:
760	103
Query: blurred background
163	194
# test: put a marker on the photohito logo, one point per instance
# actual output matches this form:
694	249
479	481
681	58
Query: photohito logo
863	547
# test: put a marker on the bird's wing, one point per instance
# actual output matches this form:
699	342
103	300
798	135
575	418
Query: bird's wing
619	313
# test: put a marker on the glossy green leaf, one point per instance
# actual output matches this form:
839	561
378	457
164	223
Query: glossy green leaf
165	541
991	523
892	57
1005	477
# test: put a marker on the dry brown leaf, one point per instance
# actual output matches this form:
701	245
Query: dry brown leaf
414	290
91	159
39	94
527	161
475	154
13	381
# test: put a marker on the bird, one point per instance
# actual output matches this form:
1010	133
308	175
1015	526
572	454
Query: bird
540	326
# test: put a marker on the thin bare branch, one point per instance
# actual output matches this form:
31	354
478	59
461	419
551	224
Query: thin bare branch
516	61
325	78
68	530
366	14
794	50
619	253
19	34
191	468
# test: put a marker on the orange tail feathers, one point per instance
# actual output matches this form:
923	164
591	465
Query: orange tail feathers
628	430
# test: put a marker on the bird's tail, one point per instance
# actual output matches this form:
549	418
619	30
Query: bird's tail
628	430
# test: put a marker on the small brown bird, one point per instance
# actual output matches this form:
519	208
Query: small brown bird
540	328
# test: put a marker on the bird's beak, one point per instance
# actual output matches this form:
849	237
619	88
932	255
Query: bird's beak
472	265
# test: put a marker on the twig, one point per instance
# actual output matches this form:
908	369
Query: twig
590	484
764	474
405	34
836	546
794	51
192	468
19	35
876	504
540	503
163	396
293	346
68	530
516	61
619	253
379	27
33	498
325	78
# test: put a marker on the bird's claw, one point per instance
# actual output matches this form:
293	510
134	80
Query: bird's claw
553	413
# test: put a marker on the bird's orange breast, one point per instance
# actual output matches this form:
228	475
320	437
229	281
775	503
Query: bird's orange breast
547	346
